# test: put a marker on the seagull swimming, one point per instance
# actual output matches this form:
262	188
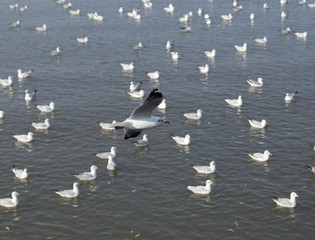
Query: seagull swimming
142	142
257	124
24	138
19	173
41	125
1	114
170	8
210	54
261	157
206	169
138	47
154	75
182	140
227	17
286	202
235	102
104	155
169	45
204	69
111	165
30	96
10	202
301	34
15	24
24	74
289	97
82	40
6	82
108	126
258	83
47	108
127	66
42	29
194	116
141	117
56	52
88	176
261	40
135	86
70	193
201	189
241	48
75	12
175	56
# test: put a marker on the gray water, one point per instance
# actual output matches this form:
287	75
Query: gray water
147	197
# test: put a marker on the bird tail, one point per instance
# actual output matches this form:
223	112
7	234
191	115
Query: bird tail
308	167
274	198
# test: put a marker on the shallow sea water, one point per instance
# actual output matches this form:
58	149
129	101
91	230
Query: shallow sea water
147	197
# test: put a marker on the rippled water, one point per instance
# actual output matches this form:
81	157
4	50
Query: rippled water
147	197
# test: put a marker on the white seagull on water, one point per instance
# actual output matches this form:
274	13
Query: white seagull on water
141	117
111	165
29	95
242	49
19	173
289	97
142	142
257	124
47	108
88	176
10	202
258	83
235	102
261	157
6	82
70	193
42	29
194	116
108	126
286	202
41	125
182	140
206	169
24	138
24	74
201	189
104	155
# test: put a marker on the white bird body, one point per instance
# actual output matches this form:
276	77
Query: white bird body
10	202
111	165
88	176
283	2
301	34
127	66
260	157
24	74
200	11
20	173
75	12
70	193
162	105
286	31
175	56
289	97
15	24
261	40
286	202
1	114
210	54
83	40
56	52
6	82
41	125
147	5
142	142
182	140
235	102
206	169
170	8
137	94
252	16
135	86
108	126
120	9
42	29
138	47
104	155
194	116
311	5
154	75
302	2
14	6
241	48
266	7
257	124
201	189
23	9
30	96
204	69
283	14
169	45
24	138
227	17
47	108
258	83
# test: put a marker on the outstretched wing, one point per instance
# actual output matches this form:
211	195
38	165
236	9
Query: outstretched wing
145	110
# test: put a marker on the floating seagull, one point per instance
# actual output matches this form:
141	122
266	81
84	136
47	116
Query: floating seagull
67	6
169	45
19	173
170	8
14	6
30	96
24	138
186	29
120	9
10	202
104	155
47	108
70	193
289	97
135	86
283	14
311	5
24	74
194	116
261	157
137	94
286	31
141	117
111	165
241	48
1	114
138	47
257	124
75	12
235	102
175	56
108	126
162	105
261	40
312	169
23	9
41	125
266	7
56	52
286	202
6	82
127	66
154	75
87	176
258	83
227	17
42	29
83	40
302	2
206	16
201	189
182	140
204	69
252	16
210	54
142	142
98	17
206	169
184	19
208	21
200	12
15	24
301	34
283	2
